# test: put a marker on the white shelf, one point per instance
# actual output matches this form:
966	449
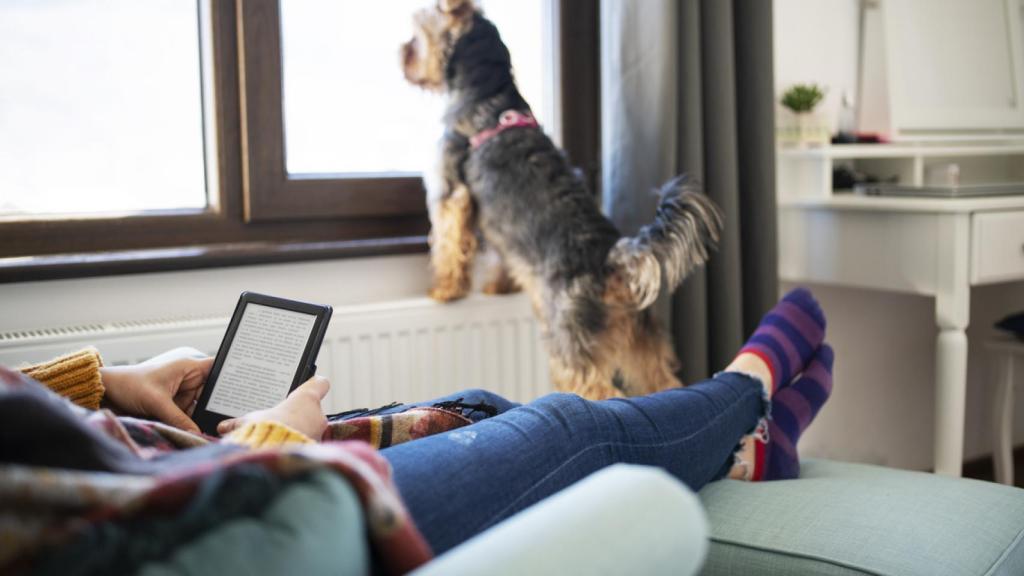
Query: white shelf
851	201
806	173
854	151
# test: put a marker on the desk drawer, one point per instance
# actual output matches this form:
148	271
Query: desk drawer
998	247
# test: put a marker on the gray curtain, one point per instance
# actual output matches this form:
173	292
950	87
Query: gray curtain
686	87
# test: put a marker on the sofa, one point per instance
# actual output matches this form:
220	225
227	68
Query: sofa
847	519
838	518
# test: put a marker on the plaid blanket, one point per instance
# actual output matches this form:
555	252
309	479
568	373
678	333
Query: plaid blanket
72	482
382	431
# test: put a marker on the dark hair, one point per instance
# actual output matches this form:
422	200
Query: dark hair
480	60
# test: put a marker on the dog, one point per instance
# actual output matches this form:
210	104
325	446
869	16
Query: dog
500	176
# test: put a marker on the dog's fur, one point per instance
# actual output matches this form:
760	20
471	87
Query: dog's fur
590	287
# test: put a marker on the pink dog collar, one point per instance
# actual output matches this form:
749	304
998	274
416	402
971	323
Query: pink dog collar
508	119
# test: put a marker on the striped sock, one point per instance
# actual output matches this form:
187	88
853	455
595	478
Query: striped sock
793	409
788	335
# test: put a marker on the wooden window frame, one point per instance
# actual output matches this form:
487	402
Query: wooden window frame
247	222
271	193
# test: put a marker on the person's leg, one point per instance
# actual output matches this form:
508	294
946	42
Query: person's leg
459	483
770	452
793	409
788	335
782	341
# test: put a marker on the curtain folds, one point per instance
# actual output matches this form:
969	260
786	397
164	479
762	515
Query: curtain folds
686	87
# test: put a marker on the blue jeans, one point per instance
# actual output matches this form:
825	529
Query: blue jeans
459	483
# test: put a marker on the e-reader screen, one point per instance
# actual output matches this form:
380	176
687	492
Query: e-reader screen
260	365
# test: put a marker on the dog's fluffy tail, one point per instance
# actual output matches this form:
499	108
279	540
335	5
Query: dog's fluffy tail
685	229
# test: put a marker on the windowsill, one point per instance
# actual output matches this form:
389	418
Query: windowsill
60	266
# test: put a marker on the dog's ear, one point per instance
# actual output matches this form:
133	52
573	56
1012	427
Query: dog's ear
455	7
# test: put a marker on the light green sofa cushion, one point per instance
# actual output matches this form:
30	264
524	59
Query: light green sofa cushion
313	527
855	519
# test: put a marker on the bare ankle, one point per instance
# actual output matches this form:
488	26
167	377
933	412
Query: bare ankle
753	365
743	460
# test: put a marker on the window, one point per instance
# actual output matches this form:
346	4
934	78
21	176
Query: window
219	132
100	107
384	125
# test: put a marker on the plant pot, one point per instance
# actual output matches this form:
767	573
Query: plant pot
803	129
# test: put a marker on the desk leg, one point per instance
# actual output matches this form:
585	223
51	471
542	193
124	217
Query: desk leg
1002	417
952	315
950	400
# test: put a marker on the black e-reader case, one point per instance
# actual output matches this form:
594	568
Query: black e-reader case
208	420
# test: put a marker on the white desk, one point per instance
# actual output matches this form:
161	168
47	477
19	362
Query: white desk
933	247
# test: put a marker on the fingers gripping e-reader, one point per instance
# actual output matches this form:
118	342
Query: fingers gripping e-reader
269	349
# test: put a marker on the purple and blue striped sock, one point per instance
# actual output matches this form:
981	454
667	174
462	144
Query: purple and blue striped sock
793	408
788	335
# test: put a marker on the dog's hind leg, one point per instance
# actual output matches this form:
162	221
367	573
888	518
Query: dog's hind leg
590	382
453	245
499	277
646	360
591	375
577	325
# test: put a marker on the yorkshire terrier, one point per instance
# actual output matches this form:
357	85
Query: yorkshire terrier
501	176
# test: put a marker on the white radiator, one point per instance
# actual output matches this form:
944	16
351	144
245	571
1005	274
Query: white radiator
405	351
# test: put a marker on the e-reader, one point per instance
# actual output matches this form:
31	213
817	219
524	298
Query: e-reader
270	348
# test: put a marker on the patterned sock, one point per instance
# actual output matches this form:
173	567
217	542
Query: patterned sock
788	335
793	408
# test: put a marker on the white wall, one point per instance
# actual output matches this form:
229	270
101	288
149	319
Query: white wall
211	292
881	410
816	43
882	405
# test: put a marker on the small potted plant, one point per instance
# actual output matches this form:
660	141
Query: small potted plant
805	128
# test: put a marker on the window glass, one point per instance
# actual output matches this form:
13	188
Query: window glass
100	107
347	107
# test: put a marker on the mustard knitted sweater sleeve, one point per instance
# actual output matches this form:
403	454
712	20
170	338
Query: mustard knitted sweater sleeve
266	434
75	376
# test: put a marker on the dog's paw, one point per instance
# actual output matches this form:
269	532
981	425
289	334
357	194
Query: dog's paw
501	285
448	292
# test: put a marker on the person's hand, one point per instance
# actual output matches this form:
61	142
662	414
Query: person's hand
164	388
300	411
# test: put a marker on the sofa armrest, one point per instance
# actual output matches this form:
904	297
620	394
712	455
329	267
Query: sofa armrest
623	519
